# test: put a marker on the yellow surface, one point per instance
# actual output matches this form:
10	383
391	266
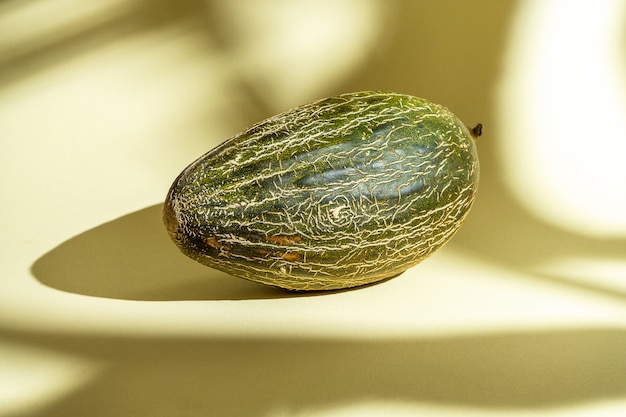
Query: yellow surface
101	106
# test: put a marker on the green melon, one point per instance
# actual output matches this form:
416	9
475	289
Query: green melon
337	193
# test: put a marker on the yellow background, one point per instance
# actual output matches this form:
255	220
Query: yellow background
103	103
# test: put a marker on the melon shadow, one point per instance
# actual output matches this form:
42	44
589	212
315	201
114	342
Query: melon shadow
133	258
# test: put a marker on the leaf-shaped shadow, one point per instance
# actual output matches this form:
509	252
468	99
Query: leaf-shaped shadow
524	370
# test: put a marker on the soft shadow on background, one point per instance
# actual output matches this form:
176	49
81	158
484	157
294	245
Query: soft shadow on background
460	71
267	377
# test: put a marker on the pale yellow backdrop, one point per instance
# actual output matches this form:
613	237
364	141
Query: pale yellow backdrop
103	103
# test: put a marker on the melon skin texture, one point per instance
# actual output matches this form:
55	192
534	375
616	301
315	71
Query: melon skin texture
338	193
